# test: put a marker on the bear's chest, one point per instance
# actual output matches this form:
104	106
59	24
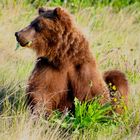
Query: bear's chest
46	78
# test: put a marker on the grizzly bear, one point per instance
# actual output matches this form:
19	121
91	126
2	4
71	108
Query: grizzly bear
65	67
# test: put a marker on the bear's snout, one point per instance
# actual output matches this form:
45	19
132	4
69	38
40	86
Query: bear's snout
20	39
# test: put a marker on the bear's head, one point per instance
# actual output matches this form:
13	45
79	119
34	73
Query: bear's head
46	33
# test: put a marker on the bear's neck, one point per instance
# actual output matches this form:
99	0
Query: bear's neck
78	51
73	48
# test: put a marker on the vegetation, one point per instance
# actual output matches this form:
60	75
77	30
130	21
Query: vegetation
113	29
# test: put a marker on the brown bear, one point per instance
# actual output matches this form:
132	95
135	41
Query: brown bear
65	67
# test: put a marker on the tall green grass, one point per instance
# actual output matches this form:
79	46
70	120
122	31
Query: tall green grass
114	39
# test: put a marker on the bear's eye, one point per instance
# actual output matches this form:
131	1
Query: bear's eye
37	27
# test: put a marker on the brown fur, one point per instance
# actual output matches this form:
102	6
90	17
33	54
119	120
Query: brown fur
65	67
117	78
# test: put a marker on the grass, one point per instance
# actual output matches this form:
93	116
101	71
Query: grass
114	38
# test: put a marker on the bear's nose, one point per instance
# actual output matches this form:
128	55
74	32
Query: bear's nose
16	34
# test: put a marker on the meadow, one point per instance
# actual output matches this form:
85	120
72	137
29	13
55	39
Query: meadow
113	31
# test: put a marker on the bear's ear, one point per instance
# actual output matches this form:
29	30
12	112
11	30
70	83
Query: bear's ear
57	11
41	10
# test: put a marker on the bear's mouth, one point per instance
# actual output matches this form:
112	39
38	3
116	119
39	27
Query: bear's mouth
25	44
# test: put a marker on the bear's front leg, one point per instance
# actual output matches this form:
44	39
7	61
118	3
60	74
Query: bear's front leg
40	104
